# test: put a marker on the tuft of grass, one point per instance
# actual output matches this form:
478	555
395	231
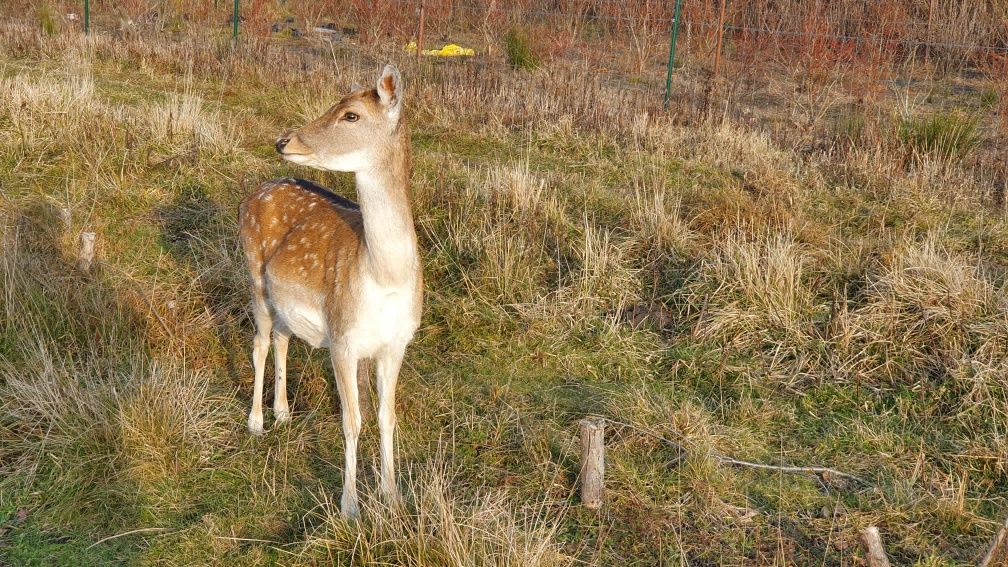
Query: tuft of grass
947	136
434	526
519	52
753	291
926	309
48	20
183	117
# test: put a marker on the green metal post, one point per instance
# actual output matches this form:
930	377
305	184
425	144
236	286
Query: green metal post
87	16
234	18
671	52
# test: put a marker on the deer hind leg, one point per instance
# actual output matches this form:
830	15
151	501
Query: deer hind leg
387	372
345	369
260	348
281	338
364	390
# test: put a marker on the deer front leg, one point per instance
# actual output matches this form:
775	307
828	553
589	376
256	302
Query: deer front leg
281	411
387	373
345	369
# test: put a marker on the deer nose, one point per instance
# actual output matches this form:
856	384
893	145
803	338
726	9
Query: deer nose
281	142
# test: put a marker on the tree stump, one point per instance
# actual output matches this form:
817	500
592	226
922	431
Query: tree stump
592	462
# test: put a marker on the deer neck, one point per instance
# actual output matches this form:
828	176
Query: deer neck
390	240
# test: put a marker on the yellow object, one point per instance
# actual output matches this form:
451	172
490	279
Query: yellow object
450	50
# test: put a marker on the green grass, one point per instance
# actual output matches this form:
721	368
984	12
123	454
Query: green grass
47	20
799	314
943	135
519	52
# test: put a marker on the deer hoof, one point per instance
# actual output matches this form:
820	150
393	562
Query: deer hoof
255	425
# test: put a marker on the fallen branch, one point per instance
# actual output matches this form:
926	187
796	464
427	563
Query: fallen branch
823	472
997	546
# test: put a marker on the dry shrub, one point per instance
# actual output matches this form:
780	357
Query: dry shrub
435	527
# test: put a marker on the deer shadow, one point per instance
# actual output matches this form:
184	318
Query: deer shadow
201	235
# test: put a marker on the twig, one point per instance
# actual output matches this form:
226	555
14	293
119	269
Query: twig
788	468
136	531
138	287
249	539
996	546
726	460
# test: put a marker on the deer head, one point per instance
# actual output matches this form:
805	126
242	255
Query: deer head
353	134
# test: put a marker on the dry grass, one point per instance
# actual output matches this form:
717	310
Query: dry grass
434	527
753	292
789	293
182	119
925	310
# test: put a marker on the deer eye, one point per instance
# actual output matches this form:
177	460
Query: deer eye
351	117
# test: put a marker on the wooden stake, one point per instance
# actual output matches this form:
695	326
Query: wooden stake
592	462
66	217
720	39
997	546
875	554
85	257
420	30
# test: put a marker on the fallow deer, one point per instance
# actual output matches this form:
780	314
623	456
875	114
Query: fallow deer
339	275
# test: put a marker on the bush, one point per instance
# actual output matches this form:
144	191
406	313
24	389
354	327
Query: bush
944	135
519	52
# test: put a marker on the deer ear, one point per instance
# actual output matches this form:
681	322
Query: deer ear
390	90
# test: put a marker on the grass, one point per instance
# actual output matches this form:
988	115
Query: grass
707	283
518	51
942	135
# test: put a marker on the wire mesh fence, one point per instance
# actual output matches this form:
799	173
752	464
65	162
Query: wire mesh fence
938	24
627	40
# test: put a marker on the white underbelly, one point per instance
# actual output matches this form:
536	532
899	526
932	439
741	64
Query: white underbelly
301	315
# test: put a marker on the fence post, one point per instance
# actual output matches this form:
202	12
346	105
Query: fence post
592	462
85	255
875	554
234	23
671	52
420	30
720	39
87	16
